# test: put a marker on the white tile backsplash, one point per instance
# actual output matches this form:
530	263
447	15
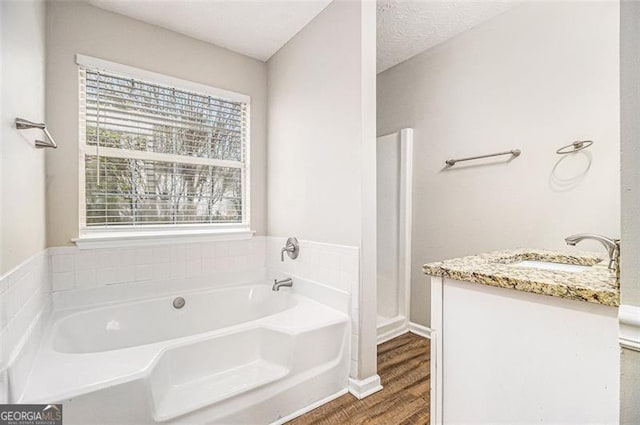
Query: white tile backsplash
144	272
62	263
333	265
83	279
63	281
24	295
72	268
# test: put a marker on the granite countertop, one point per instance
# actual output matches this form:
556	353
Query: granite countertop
595	285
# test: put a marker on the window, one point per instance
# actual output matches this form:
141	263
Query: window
160	153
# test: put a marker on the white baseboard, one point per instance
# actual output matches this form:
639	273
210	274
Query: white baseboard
629	320
365	387
420	330
310	407
388	336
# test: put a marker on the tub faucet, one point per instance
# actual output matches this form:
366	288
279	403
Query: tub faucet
612	246
292	248
277	284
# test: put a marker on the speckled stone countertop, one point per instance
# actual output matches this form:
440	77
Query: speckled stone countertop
595	285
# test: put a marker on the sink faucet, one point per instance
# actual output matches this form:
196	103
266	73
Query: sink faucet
612	246
277	284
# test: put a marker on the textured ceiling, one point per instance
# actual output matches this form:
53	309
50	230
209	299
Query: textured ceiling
406	28
252	27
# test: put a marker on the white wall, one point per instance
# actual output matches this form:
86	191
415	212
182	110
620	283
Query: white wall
24	282
314	130
630	148
1	144
76	27
22	167
535	78
368	242
321	155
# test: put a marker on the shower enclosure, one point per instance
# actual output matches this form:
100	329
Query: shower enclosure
394	182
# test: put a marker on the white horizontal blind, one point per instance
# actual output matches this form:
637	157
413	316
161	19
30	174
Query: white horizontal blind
158	155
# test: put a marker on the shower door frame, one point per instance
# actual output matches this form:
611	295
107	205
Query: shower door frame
405	218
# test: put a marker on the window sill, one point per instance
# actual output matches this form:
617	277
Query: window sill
93	240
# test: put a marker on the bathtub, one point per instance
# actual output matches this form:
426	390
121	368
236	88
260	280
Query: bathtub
235	355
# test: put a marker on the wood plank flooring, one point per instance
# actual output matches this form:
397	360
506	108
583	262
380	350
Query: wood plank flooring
403	366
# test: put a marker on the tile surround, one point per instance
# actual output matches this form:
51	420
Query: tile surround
24	298
72	268
333	265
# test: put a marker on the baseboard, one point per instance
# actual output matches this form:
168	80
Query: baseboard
420	330
388	336
365	387
310	407
629	320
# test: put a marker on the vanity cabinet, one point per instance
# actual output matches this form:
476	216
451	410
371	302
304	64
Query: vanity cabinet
509	356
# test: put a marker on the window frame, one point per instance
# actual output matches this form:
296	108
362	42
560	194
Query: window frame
117	235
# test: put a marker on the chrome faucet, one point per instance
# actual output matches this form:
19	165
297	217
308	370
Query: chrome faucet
612	246
277	284
292	248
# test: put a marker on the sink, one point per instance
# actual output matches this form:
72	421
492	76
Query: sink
547	265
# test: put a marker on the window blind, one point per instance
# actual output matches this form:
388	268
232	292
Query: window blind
159	155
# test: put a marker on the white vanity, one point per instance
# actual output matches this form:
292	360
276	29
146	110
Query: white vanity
522	337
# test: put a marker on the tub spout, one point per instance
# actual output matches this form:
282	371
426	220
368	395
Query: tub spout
277	284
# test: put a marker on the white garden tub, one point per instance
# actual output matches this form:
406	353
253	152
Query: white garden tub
237	355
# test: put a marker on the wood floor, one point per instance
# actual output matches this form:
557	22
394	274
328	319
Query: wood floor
403	366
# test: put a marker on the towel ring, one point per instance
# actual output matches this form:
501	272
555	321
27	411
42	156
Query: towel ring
575	147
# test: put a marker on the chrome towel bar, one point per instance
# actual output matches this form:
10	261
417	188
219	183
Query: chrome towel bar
514	152
22	124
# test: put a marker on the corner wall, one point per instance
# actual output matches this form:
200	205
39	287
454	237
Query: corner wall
24	284
76	27
314	132
321	155
529	79
22	166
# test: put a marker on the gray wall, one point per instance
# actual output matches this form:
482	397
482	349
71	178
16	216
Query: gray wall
75	27
630	141
22	167
630	149
528	79
314	130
